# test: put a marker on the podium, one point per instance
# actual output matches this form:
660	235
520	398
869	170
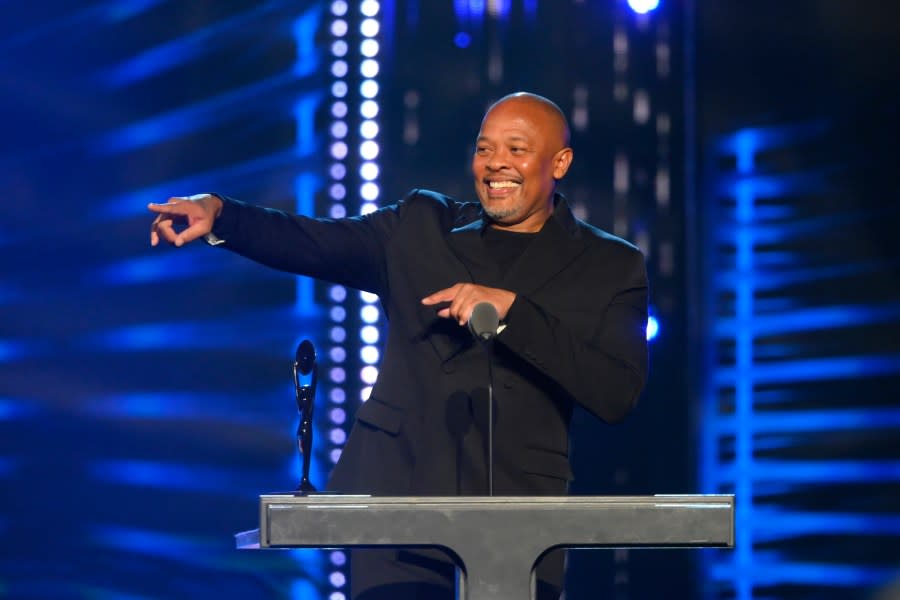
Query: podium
496	540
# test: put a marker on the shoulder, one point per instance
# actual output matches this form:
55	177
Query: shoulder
421	204
606	242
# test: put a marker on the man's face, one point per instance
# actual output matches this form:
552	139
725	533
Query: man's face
519	154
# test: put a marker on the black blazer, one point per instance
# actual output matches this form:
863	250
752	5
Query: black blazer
575	333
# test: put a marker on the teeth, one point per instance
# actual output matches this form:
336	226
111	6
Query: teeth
502	184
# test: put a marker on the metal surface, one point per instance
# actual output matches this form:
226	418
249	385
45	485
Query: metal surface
496	539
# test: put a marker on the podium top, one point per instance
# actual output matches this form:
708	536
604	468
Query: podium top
496	539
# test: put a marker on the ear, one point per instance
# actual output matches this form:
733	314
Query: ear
561	162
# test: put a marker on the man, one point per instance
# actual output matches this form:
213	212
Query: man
572	302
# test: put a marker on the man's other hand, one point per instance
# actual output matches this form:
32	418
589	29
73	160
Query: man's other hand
196	214
464	296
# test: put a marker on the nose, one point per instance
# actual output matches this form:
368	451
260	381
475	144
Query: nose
497	160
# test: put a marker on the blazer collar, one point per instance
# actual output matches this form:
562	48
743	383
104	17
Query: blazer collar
557	244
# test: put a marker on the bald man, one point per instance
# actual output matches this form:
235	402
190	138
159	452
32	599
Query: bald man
572	300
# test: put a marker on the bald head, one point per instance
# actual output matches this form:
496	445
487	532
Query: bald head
547	113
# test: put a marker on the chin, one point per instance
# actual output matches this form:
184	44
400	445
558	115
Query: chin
501	215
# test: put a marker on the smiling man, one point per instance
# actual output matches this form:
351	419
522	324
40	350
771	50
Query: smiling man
573	305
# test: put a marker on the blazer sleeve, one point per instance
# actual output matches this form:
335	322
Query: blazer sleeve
348	251
603	367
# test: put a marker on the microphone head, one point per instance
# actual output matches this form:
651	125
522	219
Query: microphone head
305	358
484	321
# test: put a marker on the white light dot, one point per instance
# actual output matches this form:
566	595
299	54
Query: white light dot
335	456
338	293
369	109
339	68
369	48
368	129
369	334
337	416
368	150
339	89
339	109
369	374
369	313
337	436
339	8
337	191
369	355
337	395
368	207
337	211
368	171
337	579
369	191
338	171
338	334
369	27
339	150
365	393
339	129
339	48
337	314
337	375
338	558
339	28
368	297
368	68
337	354
368	88
369	8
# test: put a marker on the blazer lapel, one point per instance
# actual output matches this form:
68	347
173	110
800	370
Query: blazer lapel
447	337
558	244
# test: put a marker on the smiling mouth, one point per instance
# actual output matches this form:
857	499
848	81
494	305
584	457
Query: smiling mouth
501	187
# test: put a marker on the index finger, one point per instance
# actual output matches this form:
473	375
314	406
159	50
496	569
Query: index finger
444	295
170	208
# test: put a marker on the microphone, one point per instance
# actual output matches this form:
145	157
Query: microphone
484	321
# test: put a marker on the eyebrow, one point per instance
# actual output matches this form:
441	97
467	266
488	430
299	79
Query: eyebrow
512	138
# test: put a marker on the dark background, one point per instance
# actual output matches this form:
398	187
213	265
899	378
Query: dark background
145	399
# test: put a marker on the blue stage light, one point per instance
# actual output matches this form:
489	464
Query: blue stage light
642	7
462	39
652	328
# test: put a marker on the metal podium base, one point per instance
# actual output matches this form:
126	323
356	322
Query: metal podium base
498	539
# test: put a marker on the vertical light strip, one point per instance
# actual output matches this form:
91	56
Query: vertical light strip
370	314
337	294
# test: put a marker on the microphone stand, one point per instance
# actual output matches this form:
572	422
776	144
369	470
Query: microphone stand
488	345
305	364
483	324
